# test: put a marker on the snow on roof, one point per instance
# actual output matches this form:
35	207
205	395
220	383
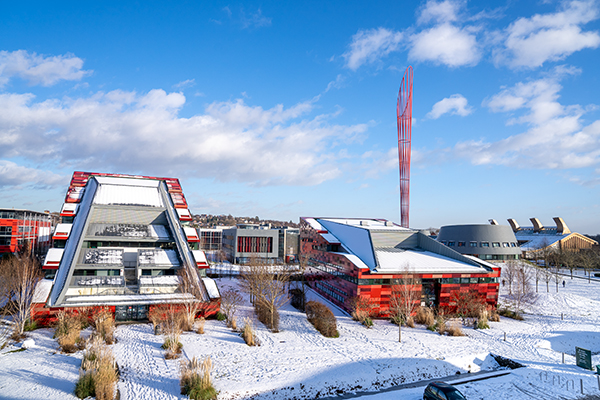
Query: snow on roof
184	214
103	256
314	224
123	181
191	234
42	290
53	256
330	238
211	288
367	223
157	257
160	280
128	195
538	240
69	209
62	231
396	260
199	257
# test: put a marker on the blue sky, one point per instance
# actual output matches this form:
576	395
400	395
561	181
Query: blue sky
282	109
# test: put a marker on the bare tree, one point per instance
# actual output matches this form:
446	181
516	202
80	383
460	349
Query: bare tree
231	299
509	274
404	299
266	287
522	293
568	258
19	276
189	283
588	259
547	275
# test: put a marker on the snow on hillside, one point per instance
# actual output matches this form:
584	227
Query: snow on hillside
299	363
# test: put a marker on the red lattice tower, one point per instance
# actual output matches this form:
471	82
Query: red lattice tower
404	116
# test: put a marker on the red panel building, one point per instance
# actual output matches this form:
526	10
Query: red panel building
18	227
366	257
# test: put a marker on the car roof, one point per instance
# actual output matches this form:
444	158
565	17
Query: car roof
443	386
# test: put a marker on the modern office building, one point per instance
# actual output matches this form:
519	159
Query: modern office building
122	243
18	227
487	242
350	257
247	242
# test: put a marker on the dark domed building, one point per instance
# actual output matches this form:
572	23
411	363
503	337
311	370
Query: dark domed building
487	242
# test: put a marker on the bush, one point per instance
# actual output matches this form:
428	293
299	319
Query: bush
30	325
67	330
220	316
173	346
482	321
200	328
105	326
195	379
322	318
410	322
425	316
440	326
98	374
85	386
454	329
506	312
248	333
363	309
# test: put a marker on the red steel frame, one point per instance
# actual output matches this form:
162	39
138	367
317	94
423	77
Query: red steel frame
404	118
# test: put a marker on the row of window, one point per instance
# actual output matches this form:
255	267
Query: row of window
331	269
452	243
468	280
254	244
321	286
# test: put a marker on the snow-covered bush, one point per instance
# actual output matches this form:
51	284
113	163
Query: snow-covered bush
98	373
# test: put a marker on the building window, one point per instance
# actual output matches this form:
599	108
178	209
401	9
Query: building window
473	244
513	244
444	242
505	244
451	243
485	244
461	244
495	244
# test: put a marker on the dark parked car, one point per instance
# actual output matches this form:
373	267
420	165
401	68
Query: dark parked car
442	391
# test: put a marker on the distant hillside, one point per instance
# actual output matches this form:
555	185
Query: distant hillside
209	221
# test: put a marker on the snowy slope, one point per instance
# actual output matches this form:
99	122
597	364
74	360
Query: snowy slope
299	363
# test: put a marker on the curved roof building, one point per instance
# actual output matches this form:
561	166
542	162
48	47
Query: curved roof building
488	242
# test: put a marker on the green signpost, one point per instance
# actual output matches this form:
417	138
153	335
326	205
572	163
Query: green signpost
583	358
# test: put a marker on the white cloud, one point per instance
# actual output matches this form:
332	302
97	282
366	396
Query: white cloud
530	42
455	105
556	138
129	132
39	69
443	11
337	83
446	44
254	19
12	174
369	46
185	84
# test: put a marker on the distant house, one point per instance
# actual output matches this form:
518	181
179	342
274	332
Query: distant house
348	257
121	243
533	239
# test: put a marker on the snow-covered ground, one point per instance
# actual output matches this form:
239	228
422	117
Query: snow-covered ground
299	363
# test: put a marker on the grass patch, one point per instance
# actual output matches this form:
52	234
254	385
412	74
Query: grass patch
505	312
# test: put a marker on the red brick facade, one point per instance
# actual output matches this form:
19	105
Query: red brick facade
337	278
